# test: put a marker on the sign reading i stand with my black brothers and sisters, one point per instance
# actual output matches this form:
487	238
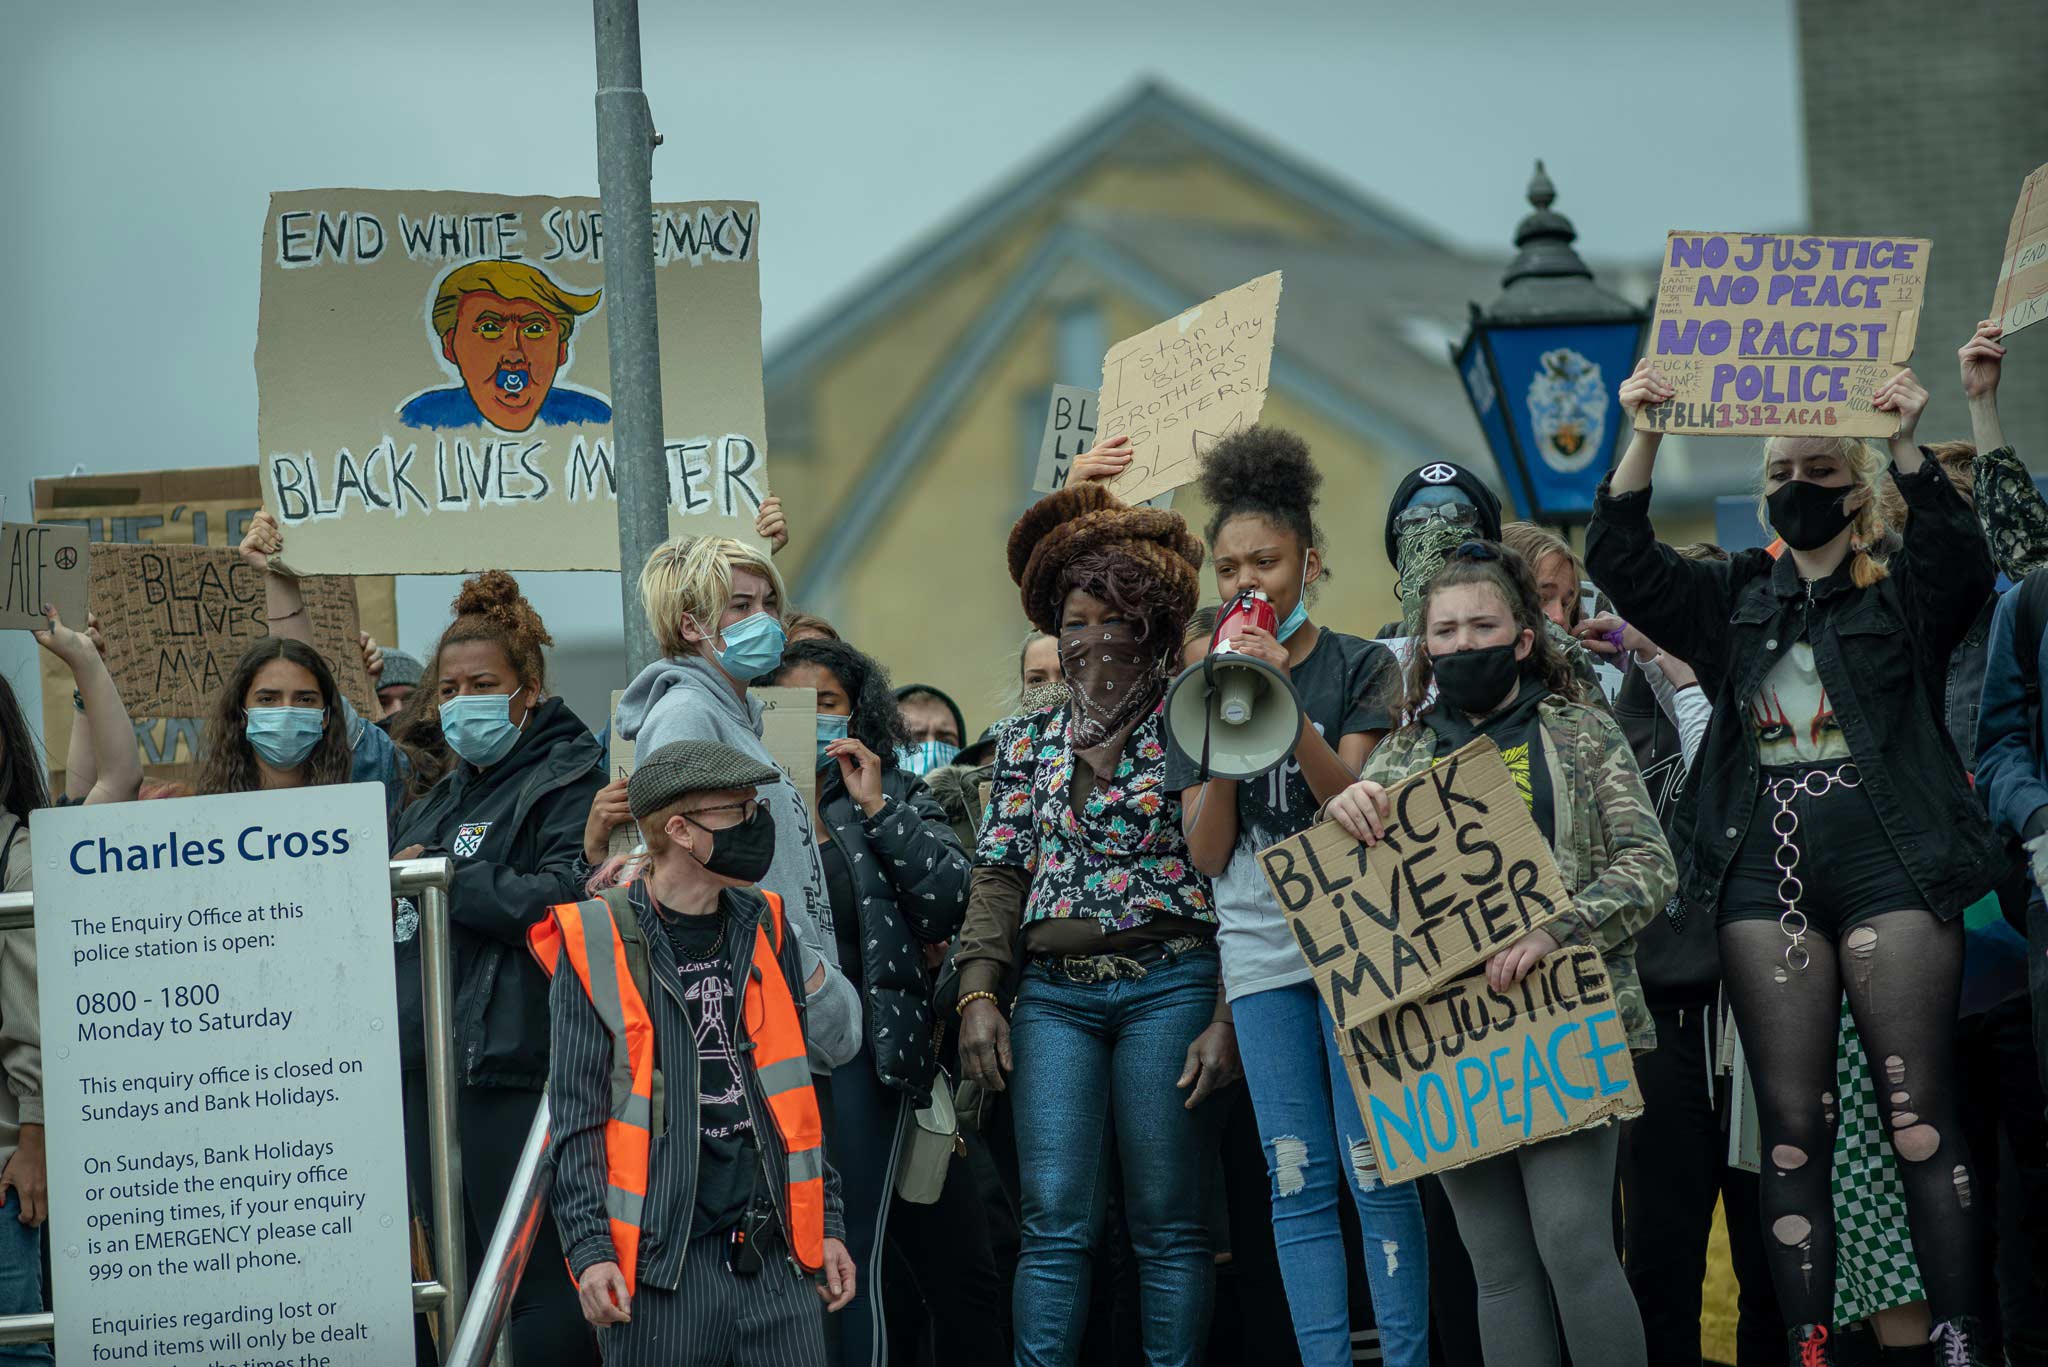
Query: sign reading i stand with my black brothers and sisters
1446	1070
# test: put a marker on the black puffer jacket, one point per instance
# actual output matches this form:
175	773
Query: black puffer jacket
515	832
910	888
1882	653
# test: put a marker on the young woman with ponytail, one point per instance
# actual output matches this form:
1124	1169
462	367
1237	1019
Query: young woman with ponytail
1537	1220
1828	825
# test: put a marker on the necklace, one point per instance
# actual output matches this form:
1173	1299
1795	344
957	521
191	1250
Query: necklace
677	923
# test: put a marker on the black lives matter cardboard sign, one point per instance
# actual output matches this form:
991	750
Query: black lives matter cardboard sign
1446	1070
1463	872
1466	1072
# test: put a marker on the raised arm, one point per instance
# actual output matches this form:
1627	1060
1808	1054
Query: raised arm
284	607
116	765
1644	387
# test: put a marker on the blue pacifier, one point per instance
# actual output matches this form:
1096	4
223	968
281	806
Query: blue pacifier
511	381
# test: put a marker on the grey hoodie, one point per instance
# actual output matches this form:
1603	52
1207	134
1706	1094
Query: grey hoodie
689	699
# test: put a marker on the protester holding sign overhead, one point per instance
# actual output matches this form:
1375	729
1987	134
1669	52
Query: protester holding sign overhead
1828	825
1264	539
715	606
1119	1025
1538	1219
509	813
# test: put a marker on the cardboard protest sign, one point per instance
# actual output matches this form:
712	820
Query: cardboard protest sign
2022	295
1762	334
619	756
1069	430
201	507
434	379
789	728
177	618
41	565
1463	872
1178	388
1466	1072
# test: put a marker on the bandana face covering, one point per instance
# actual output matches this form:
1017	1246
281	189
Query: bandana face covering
1423	551
1042	696
1112	681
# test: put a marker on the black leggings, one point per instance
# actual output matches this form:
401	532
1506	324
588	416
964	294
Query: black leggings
1902	970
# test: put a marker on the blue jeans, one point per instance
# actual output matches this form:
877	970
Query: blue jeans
21	1277
1096	1065
1308	1119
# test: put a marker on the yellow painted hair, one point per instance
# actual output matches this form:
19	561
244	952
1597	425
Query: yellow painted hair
1867	464
509	280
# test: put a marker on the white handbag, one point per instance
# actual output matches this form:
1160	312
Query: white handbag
930	1142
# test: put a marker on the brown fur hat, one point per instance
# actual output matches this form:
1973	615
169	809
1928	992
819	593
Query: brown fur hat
1087	517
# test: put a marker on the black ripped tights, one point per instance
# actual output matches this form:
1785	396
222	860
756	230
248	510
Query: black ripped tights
1902	971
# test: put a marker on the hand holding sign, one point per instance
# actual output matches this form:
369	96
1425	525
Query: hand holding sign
1646	387
1105	460
1983	361
1904	395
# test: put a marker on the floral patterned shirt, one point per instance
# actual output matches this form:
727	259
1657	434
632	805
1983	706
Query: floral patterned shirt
1120	859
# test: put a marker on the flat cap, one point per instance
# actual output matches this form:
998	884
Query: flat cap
400	668
692	766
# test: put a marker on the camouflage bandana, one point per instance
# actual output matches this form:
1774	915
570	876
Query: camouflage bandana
1423	551
1042	696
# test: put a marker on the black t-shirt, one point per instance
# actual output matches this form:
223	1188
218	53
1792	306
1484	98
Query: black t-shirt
845	911
1345	686
727	1161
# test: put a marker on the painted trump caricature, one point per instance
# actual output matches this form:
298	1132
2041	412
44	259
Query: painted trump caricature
505	327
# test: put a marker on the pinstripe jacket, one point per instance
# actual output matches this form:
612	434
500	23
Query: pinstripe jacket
580	1101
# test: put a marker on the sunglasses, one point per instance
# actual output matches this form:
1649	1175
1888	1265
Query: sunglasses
1457	514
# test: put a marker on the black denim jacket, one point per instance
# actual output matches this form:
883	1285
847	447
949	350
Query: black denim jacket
1882	652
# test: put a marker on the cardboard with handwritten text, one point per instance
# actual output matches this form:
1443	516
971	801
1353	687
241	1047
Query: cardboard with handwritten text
434	380
1463	872
1069	431
42	564
1466	1072
2021	299
177	618
1180	387
1762	334
789	728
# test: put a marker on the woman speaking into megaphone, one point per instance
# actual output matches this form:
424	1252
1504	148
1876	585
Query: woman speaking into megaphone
1115	1015
1268	556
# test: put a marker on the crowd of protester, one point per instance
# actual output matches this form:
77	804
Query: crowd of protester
997	1040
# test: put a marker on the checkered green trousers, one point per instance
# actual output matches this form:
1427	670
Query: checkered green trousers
1874	1264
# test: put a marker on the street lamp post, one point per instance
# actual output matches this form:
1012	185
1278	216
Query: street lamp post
1543	366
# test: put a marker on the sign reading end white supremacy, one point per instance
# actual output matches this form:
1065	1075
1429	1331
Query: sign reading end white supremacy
220	1068
434	379
1446	1070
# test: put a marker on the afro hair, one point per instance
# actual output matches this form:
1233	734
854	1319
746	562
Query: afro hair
1266	472
1062	527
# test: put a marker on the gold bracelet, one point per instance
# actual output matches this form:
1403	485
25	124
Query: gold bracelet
960	1008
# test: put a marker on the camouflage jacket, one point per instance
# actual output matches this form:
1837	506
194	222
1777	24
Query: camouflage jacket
1610	847
2012	513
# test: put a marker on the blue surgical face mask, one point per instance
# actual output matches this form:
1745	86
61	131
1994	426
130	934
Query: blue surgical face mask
925	756
478	726
830	728
753	647
1300	614
284	736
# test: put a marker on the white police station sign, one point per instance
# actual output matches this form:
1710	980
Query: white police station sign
220	1068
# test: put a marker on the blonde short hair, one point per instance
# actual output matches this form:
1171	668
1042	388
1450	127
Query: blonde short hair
509	280
692	576
1867	466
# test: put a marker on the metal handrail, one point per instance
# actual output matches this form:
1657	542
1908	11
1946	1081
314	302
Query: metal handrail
428	880
480	1336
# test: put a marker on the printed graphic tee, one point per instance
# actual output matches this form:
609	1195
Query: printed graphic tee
1795	723
727	1159
1345	686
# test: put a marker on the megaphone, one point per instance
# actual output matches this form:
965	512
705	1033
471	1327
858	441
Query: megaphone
1236	716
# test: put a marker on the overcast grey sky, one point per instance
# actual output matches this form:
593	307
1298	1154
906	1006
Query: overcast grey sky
139	139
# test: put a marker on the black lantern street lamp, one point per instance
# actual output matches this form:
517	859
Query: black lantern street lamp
1543	366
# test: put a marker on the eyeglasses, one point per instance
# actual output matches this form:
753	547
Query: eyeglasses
1457	514
724	817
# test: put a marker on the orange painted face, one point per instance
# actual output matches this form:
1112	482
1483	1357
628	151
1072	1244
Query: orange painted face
508	351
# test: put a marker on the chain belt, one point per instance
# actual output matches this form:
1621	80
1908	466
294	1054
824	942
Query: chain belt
1785	825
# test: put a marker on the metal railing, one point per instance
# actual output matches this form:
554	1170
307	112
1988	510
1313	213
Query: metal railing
427	880
481	1335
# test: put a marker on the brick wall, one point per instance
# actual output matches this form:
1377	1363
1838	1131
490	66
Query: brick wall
1921	118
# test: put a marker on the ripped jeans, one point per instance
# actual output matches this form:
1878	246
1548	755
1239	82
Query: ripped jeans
1309	1124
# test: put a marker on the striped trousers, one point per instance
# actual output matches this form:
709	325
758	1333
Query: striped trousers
714	1319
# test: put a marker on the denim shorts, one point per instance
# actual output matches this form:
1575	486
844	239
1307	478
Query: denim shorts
1842	867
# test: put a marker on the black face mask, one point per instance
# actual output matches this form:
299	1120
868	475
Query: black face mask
745	851
1475	681
1808	515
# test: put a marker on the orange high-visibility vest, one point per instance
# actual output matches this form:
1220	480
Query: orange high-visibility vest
602	938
